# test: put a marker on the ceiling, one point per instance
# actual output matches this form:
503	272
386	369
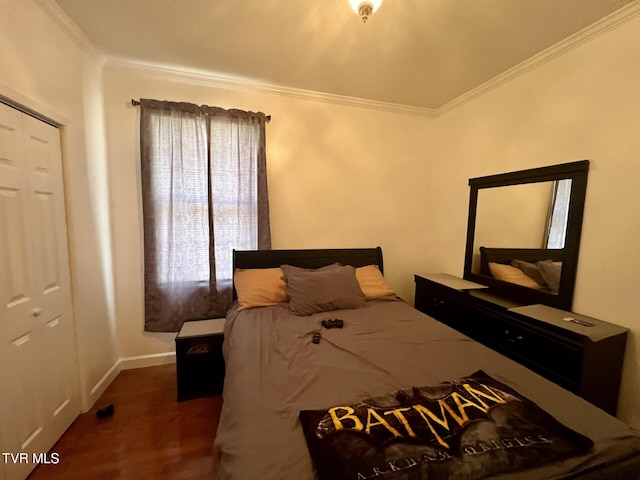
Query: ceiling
421	53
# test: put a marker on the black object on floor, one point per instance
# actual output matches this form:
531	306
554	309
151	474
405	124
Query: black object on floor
105	412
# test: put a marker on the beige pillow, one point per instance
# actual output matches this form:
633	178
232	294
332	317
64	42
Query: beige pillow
511	274
372	282
259	287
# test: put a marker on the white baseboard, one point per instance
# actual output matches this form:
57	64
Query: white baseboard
99	388
126	363
141	361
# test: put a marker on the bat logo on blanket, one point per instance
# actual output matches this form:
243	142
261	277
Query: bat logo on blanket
419	417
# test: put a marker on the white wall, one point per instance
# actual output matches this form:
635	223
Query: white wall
348	176
584	104
339	176
46	71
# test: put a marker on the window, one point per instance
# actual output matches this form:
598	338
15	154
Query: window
204	194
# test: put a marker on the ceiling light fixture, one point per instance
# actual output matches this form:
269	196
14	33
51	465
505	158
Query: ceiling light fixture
365	8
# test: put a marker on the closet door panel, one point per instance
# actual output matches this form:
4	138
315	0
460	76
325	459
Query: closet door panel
61	402
11	143
16	281
38	360
50	265
22	416
48	222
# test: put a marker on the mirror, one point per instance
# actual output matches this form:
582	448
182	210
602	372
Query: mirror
524	233
529	215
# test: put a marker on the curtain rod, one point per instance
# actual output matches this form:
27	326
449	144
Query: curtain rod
135	103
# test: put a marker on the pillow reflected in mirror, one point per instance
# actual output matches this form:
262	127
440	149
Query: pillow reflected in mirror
545	272
508	273
550	272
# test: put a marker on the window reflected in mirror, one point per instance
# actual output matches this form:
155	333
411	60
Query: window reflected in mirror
559	208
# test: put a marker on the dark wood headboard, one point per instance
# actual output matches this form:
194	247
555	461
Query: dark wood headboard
505	255
314	258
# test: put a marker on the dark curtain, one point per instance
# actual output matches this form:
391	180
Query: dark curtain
204	193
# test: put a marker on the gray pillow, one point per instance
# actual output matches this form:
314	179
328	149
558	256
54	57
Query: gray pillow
544	272
550	272
323	290
530	270
288	269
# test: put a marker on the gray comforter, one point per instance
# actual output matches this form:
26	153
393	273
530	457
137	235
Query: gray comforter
273	371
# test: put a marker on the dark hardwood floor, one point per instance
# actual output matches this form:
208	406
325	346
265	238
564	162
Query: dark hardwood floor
149	436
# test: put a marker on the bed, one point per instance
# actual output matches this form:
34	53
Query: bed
277	378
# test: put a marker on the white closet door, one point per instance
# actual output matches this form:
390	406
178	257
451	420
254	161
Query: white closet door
39	393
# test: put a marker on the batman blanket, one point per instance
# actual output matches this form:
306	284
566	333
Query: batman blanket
466	429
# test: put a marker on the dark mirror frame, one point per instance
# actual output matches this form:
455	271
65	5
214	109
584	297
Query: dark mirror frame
577	172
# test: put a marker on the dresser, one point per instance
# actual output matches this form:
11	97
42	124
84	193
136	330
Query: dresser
582	354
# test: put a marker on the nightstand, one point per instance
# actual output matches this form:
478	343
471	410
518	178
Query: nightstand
199	361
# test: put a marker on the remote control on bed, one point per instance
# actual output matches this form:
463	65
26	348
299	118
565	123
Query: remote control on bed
333	323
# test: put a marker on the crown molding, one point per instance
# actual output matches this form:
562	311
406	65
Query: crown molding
227	82
217	80
62	20
604	25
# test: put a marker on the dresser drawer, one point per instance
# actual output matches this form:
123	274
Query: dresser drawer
440	304
555	358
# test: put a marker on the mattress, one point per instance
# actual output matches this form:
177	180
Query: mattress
274	371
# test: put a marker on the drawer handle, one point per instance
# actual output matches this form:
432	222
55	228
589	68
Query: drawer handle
517	338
